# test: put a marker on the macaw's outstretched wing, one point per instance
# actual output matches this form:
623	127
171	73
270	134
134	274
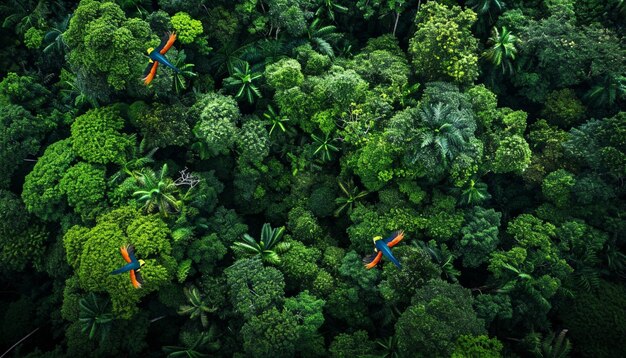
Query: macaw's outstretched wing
372	260
166	42
124	252
128	267
135	278
131	253
385	251
394	238
150	72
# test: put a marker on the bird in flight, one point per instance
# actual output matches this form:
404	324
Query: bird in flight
382	247
157	55
133	265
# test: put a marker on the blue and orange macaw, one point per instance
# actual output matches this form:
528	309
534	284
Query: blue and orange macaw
382	248
133	265
157	55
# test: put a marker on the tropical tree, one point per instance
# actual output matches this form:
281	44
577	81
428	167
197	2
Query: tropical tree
502	51
95	316
480	236
352	195
54	36
551	346
441	313
487	7
444	133
242	81
396	7
443	46
197	307
321	37
185	71
205	341
74	94
132	164
389	346
441	256
329	7
24	14
324	146
607	91
158	192
275	120
268	248
473	193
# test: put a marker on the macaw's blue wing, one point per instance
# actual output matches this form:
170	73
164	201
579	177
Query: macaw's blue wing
125	268
131	254
157	57
382	247
128	253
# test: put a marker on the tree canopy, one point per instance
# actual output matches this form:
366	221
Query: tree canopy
276	140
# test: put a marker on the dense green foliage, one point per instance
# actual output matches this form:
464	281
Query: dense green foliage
252	182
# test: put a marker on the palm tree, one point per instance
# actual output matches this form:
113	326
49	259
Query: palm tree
519	277
442	257
324	146
551	346
196	307
352	195
206	341
389	347
606	92
133	163
54	36
242	80
445	132
620	6
269	246
329	7
275	120
185	71
158	192
321	37
301	163
474	193
489	7
24	14
95	316
502	51
75	96
615	259
230	56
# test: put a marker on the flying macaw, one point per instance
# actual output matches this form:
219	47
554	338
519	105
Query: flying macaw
133	265
382	248
158	55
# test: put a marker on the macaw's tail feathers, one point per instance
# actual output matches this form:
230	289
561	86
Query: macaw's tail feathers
372	260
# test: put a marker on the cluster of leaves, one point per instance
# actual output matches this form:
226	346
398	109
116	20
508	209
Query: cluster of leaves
492	133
